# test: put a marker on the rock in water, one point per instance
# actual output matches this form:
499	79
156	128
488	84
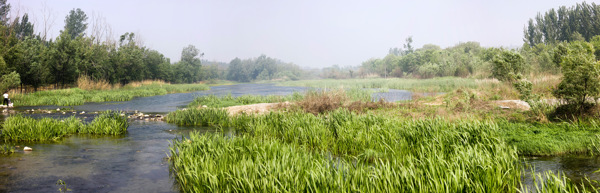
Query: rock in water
27	149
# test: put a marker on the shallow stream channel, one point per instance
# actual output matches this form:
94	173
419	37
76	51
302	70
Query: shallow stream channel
137	161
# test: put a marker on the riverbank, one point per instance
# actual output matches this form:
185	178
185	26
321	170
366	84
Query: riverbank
384	143
78	96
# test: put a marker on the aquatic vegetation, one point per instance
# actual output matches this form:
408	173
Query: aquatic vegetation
444	84
21	128
228	100
345	151
77	96
6	149
107	123
551	138
199	117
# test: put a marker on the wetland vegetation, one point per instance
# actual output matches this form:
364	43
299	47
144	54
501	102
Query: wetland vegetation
22	128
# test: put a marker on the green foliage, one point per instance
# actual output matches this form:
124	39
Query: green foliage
581	75
262	68
107	123
76	96
508	66
20	128
9	81
6	149
462	60
343	152
228	100
575	23
199	117
75	23
445	84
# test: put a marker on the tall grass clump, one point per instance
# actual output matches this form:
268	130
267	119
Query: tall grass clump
107	123
6	149
550	182
551	138
96	92
228	100
86	83
199	117
341	151
444	84
21	128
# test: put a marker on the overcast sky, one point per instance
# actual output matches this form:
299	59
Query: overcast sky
311	33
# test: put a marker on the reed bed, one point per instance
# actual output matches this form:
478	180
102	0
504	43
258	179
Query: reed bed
21	128
77	96
444	84
228	100
346	152
6	149
199	117
107	123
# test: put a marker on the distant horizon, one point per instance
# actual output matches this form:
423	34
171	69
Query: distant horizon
312	34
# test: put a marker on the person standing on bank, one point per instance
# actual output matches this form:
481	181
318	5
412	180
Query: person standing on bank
5	102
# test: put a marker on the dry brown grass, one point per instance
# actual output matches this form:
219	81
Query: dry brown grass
86	83
323	101
146	82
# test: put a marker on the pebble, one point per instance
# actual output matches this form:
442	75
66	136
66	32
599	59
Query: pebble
27	148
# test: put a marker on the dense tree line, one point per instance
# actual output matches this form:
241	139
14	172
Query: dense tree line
579	22
262	68
35	61
462	60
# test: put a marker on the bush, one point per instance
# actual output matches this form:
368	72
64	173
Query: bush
508	66
581	76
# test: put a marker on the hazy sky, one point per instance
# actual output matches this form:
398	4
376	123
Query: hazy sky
312	33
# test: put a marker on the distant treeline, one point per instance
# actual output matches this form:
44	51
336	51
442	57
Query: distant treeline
577	23
542	36
28	59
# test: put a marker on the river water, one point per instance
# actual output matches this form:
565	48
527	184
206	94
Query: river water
137	161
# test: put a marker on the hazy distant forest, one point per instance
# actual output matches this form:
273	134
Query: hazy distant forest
28	58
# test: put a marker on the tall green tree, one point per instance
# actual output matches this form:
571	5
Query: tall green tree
75	23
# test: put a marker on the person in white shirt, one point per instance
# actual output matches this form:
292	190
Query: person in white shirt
5	102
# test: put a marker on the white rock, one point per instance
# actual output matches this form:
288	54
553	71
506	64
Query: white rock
27	149
82	112
58	109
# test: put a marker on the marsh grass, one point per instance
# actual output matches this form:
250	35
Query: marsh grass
445	84
551	182
228	100
199	117
78	96
20	128
6	149
107	123
342	151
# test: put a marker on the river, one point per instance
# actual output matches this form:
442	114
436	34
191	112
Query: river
137	161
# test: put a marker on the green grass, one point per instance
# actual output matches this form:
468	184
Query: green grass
76	96
20	128
6	149
228	100
547	139
444	84
199	117
344	151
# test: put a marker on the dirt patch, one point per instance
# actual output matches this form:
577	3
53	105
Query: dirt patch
261	108
513	104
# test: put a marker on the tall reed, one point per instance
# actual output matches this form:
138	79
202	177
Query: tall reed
344	152
20	128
